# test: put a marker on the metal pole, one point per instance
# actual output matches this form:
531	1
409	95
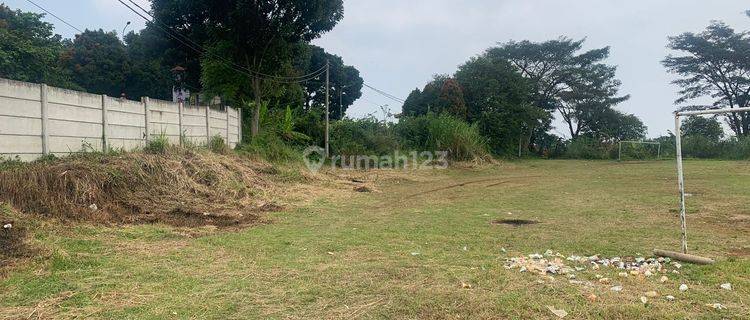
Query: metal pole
328	98
619	153
680	180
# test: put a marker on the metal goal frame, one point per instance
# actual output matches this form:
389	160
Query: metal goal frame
678	153
658	150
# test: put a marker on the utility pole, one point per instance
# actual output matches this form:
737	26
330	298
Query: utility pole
328	101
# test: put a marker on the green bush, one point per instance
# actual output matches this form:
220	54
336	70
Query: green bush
157	145
218	145
442	133
587	148
270	147
366	136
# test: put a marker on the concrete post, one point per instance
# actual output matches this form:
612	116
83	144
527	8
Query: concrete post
227	114
105	124
179	121
208	125
147	118
45	119
239	126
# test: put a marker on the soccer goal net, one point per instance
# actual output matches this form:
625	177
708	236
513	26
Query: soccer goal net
638	150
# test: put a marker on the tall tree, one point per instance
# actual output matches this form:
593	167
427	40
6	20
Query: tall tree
150	72
714	64
255	36
610	125
441	95
709	128
346	83
29	50
98	61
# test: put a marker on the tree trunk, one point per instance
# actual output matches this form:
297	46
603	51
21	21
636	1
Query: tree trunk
255	124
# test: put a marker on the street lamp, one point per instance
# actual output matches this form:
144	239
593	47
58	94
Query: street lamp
123	29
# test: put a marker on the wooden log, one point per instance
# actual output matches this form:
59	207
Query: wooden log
683	257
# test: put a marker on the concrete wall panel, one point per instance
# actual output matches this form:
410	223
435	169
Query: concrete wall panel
20	107
20	126
20	90
21	144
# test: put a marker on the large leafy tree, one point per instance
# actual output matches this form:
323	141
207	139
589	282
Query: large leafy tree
245	40
714	64
441	95
98	62
150	66
500	100
346	83
29	50
563	78
709	128
610	125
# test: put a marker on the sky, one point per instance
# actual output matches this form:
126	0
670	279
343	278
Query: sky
399	45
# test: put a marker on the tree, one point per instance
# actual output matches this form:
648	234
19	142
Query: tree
346	83
29	51
562	79
98	62
709	128
611	125
249	39
500	100
150	72
441	95
714	65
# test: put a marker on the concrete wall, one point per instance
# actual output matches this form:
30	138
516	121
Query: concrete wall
36	120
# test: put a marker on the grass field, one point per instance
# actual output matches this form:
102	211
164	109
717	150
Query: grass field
421	246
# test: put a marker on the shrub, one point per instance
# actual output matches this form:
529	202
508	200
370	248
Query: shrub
587	148
442	133
270	147
366	136
218	145
157	145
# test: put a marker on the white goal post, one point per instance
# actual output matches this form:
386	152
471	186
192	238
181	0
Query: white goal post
678	152
658	150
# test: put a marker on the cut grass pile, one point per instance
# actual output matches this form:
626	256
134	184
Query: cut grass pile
179	187
424	246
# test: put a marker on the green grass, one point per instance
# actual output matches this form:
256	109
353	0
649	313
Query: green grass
349	255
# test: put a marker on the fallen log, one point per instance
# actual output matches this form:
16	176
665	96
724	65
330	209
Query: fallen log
683	257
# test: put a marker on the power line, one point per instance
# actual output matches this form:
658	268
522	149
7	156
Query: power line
385	94
56	17
199	49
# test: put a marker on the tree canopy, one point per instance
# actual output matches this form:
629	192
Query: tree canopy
714	64
709	128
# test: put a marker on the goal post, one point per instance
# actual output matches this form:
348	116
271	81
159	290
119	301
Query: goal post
678	153
658	148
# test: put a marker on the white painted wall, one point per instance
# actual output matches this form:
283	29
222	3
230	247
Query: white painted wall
78	121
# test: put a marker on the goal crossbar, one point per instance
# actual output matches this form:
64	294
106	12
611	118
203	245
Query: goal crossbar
678	145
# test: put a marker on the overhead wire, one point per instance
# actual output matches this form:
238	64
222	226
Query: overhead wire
199	49
54	15
385	94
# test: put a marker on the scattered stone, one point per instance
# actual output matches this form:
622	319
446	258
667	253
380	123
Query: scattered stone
592	298
652	294
330	253
560	313
726	286
503	250
644	300
663	279
616	289
415	253
93	207
8	226
683	287
717	306
465	285
669	298
623	274
648	273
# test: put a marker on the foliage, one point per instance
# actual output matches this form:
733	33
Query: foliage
442	95
217	145
714	65
270	147
256	37
367	136
345	82
158	144
98	61
29	51
576	84
432	132
611	125
588	148
709	128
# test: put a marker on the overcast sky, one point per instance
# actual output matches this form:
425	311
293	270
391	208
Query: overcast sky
398	45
